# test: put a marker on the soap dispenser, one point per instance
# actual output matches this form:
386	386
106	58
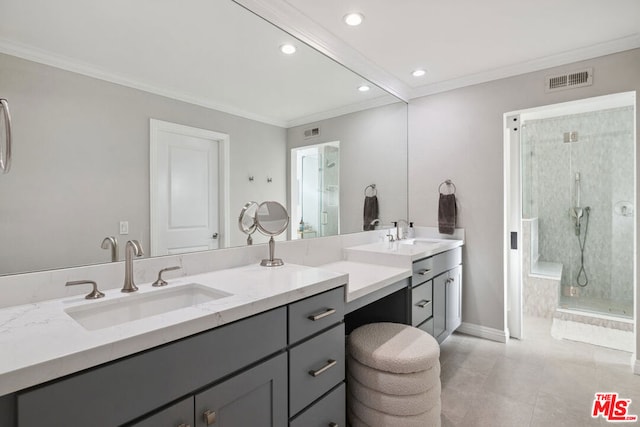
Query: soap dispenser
411	233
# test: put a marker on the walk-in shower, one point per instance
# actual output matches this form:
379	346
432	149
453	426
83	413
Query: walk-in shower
315	190
578	184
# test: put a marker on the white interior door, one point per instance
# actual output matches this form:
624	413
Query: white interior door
187	189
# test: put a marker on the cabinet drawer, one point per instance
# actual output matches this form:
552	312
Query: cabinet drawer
421	303
314	314
315	367
422	271
427	327
330	410
447	260
179	414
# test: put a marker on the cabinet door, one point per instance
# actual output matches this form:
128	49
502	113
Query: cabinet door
256	398
439	305
454	299
177	415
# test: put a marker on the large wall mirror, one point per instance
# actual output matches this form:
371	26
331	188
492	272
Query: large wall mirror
147	120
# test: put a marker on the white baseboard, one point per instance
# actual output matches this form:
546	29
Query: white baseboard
484	332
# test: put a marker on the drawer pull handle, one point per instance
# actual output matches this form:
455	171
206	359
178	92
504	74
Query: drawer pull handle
333	425
330	364
322	315
209	417
424	272
423	303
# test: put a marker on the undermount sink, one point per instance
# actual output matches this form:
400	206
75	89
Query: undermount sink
421	241
99	315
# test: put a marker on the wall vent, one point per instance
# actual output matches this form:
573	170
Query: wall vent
311	133
570	80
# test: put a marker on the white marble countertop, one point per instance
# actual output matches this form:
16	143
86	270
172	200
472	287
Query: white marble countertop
400	253
41	342
367	278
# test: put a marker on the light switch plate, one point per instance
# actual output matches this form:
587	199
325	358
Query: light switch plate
124	227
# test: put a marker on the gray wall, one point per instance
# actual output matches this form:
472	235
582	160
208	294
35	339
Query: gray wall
458	135
81	164
373	150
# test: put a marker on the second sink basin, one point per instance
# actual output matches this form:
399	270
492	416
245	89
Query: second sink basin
99	315
422	241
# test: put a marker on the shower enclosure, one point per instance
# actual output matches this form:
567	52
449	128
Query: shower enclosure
578	174
316	190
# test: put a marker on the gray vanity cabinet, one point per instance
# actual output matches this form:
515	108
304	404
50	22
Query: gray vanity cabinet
282	366
437	293
122	391
317	360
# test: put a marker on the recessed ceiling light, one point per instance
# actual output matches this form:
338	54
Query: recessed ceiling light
288	49
353	19
364	88
418	73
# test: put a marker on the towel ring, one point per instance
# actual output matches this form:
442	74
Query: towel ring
374	192
448	183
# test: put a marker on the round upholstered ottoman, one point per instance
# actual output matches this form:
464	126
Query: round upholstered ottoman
393	376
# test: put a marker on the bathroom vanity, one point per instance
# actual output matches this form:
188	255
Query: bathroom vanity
236	374
434	288
266	348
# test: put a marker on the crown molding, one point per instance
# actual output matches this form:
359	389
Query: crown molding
58	61
291	20
340	111
590	52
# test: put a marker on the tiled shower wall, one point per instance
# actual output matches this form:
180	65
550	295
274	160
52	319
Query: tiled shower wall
604	157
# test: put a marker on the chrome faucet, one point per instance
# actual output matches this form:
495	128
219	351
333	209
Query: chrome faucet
133	248
113	242
375	222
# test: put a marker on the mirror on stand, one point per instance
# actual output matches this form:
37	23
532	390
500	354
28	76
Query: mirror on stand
272	219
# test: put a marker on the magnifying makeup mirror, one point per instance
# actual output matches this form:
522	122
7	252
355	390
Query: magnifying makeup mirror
247	220
271	219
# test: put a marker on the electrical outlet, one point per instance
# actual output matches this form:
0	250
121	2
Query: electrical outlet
124	227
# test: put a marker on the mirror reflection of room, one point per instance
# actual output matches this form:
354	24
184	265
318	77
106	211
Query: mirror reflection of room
83	119
316	211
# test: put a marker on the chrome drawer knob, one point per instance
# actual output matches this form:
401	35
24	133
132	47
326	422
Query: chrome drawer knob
209	417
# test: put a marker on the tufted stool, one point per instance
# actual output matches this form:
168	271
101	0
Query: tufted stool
393	377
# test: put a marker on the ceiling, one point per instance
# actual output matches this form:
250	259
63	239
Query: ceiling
213	53
459	42
219	55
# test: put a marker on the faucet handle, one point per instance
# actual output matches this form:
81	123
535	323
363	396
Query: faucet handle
160	281
94	294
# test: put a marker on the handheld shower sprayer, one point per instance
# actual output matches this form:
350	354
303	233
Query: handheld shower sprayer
576	211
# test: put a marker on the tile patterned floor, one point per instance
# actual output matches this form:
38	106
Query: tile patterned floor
535	382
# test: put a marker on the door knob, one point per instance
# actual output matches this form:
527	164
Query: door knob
214	236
